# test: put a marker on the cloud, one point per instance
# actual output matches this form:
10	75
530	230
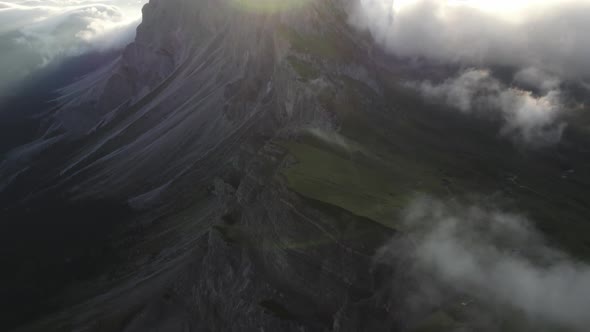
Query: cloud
549	35
482	259
528	118
534	78
35	34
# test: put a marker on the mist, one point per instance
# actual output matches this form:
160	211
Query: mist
548	35
37	34
490	264
527	118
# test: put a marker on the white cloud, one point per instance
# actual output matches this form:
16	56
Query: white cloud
527	118
537	79
494	259
34	34
549	35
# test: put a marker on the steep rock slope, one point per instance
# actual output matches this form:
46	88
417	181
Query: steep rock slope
199	74
187	129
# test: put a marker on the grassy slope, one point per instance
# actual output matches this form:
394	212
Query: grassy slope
375	165
393	145
363	185
387	151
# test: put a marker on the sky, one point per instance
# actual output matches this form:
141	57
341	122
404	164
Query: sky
544	41
35	34
547	34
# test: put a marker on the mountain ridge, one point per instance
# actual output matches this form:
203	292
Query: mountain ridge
199	158
256	159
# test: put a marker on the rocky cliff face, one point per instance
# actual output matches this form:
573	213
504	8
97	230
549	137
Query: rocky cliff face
199	75
187	127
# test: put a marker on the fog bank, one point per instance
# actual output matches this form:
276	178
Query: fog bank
37	34
527	118
549	35
480	257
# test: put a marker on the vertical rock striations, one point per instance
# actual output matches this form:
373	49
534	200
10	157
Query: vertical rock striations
186	126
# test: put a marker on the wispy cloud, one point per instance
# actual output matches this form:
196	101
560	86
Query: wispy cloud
528	118
34	34
464	255
549	35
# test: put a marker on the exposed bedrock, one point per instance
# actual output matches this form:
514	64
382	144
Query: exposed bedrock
186	129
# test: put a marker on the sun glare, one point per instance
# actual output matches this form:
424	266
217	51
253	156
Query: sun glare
496	6
268	6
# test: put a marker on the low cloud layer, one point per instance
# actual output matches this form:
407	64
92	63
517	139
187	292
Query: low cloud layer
487	269
527	118
550	35
35	34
